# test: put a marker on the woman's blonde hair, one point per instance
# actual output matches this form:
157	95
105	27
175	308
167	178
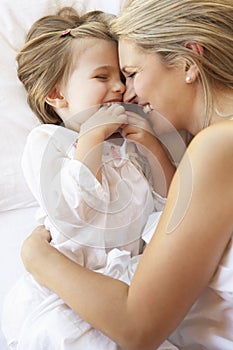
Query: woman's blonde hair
47	56
164	26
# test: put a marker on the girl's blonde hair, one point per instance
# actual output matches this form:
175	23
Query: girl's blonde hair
164	26
47	56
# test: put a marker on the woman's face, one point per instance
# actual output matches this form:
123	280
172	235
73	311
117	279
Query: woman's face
129	95
163	87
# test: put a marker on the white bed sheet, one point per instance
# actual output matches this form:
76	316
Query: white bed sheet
16	225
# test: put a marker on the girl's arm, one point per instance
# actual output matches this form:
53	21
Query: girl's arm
176	266
93	132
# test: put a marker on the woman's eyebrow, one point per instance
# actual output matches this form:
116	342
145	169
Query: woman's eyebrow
127	69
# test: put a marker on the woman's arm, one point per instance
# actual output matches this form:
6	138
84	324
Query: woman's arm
176	266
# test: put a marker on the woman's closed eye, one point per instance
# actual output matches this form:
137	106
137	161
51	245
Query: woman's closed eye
131	75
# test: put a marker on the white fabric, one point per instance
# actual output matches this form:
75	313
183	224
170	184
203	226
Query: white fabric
81	210
15	225
97	225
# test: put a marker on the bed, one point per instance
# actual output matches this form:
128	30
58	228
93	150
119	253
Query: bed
17	205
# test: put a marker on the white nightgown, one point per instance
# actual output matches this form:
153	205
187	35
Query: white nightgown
99	226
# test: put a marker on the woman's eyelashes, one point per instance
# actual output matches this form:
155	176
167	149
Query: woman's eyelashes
128	75
131	75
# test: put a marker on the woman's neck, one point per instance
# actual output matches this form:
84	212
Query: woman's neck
223	104
222	109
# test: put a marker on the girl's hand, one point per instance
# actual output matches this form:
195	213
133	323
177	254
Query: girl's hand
93	132
106	120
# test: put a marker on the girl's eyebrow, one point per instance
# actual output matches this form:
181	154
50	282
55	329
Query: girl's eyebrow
103	67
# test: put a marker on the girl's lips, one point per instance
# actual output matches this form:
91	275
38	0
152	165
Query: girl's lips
114	100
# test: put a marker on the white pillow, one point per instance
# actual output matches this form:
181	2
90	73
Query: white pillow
16	17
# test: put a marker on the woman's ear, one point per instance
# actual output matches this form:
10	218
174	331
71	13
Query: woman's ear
191	70
56	99
195	47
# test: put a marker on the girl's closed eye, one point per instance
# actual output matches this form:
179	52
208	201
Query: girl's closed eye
101	77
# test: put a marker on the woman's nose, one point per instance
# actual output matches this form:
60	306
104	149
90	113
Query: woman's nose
130	95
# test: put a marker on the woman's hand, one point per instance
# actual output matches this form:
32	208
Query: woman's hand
35	248
140	131
137	129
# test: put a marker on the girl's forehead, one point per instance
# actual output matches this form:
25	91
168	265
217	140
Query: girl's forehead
83	44
85	47
92	53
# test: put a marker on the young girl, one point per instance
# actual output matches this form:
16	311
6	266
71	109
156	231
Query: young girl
95	196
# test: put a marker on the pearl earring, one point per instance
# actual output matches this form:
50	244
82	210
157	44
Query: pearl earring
188	79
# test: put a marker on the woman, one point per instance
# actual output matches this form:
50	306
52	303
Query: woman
180	56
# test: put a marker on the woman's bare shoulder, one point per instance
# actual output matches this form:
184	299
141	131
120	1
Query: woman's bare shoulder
214	143
204	181
219	132
210	158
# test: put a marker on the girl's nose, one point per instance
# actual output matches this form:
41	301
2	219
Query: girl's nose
119	87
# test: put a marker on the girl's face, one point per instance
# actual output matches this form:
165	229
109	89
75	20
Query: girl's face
95	80
163	87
